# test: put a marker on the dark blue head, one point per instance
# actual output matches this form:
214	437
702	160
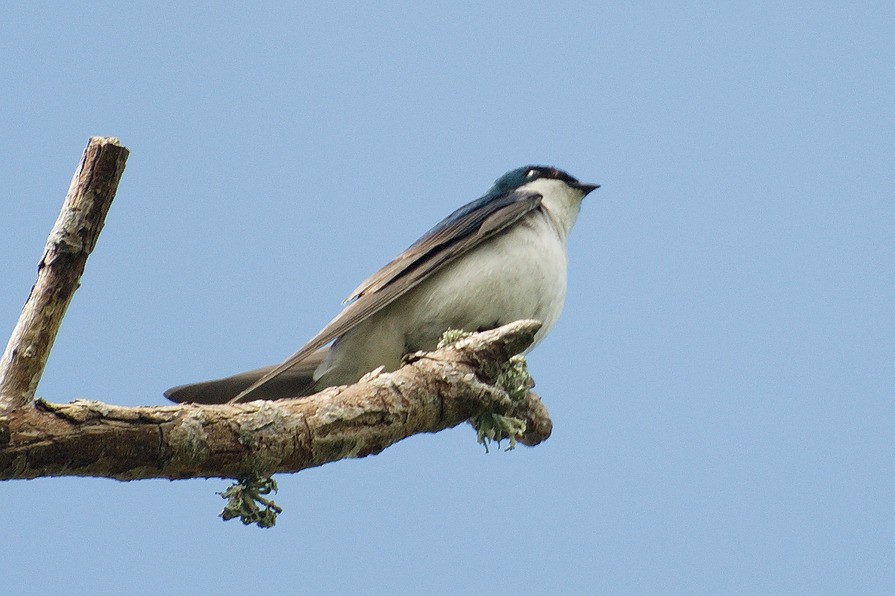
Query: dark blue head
520	176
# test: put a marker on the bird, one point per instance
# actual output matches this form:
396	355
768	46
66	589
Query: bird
495	260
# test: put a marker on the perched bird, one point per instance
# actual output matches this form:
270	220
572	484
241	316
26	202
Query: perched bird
496	260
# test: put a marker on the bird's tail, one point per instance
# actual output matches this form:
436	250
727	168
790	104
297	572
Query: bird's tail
294	382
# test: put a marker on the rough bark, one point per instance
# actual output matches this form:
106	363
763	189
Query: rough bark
431	392
70	243
435	391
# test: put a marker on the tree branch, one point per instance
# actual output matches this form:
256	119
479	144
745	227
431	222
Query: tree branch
59	271
435	391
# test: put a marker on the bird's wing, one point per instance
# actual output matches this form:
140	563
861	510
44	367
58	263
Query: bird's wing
455	235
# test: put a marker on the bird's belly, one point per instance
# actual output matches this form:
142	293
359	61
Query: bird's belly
520	274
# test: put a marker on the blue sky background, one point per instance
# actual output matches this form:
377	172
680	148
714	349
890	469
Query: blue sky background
722	380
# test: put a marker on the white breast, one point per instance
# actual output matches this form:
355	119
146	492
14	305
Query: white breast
518	274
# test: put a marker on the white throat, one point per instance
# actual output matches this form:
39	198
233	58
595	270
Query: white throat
561	201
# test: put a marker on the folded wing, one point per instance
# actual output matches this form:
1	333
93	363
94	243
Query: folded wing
458	233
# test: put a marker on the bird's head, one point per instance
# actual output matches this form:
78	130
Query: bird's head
520	178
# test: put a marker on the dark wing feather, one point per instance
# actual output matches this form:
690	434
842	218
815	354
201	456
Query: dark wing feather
455	235
464	221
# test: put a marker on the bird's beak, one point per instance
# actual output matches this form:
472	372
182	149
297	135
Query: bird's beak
586	188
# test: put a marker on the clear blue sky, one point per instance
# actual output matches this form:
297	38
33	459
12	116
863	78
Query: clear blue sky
722	380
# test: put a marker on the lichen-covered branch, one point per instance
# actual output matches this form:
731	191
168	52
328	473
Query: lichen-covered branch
70	243
434	391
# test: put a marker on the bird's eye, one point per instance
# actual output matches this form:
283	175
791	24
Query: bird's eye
532	174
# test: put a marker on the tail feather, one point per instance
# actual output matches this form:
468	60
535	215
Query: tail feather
294	382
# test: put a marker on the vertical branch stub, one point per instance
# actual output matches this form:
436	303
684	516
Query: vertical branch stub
70	242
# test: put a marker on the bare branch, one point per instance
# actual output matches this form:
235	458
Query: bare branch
435	391
59	271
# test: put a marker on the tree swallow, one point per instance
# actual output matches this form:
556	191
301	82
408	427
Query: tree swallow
496	260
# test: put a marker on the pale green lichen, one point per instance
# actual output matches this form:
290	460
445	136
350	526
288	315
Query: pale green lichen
491	427
514	379
244	498
452	336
